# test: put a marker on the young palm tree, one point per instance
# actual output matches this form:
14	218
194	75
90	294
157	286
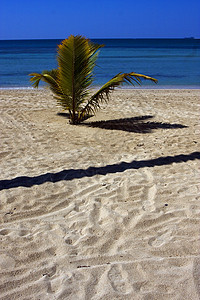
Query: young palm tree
71	81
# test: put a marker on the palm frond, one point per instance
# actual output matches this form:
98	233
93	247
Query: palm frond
49	77
104	92
76	61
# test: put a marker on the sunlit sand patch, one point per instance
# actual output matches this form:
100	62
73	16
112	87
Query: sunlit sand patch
94	213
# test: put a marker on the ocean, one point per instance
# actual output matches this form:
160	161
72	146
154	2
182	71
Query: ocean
174	62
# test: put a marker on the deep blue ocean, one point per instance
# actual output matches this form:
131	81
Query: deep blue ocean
174	62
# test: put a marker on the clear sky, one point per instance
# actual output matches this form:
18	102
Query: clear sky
51	19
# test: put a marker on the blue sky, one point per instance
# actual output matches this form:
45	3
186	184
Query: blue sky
38	19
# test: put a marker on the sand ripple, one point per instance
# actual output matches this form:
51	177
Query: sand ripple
125	225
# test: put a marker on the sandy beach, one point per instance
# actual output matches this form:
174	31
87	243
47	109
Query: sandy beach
102	211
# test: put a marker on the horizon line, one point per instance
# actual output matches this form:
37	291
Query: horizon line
110	38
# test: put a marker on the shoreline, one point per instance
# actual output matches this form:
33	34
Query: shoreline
106	209
119	88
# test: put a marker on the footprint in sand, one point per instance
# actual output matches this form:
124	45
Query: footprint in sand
6	262
4	232
18	232
119	279
149	204
160	239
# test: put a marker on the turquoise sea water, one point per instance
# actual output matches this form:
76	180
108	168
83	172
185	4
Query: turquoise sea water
174	62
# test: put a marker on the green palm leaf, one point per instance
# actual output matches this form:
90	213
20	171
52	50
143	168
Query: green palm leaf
76	61
104	92
50	77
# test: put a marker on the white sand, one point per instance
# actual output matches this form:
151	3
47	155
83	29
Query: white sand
117	231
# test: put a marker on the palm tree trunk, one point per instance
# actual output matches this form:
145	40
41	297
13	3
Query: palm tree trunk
73	89
73	109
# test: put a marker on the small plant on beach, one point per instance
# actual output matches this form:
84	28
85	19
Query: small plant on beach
71	81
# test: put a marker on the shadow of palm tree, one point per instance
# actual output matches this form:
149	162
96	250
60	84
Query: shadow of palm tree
135	124
92	171
63	114
67	116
